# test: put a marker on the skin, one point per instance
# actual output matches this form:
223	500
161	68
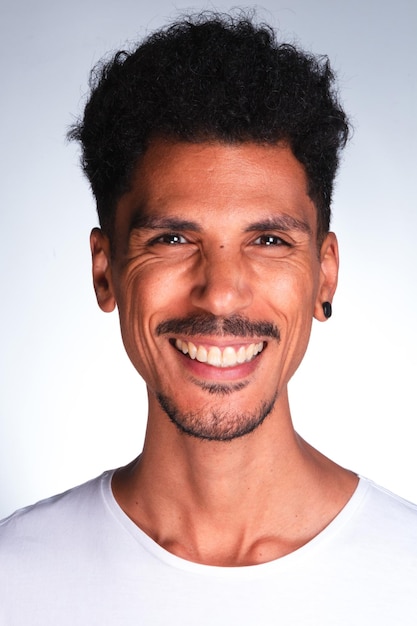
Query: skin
221	232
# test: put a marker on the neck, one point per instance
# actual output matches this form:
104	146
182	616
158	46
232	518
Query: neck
240	502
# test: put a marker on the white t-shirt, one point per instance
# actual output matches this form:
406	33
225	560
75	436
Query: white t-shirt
77	559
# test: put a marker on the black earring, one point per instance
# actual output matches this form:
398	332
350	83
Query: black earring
327	309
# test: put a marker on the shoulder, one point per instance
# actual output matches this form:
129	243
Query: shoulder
386	521
395	508
57	515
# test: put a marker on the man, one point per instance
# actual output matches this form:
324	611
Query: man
211	151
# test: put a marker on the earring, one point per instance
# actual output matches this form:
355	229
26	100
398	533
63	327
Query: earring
327	309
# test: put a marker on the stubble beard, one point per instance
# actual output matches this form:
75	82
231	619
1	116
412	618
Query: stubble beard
217	424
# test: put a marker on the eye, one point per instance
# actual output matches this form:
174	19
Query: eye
270	240
171	239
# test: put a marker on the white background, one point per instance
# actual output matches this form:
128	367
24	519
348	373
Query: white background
71	405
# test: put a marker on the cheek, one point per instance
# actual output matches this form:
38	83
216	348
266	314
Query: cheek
142	288
291	296
145	297
291	288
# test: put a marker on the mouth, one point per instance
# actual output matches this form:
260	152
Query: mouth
227	356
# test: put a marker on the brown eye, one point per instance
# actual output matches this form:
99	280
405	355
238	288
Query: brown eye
171	239
270	240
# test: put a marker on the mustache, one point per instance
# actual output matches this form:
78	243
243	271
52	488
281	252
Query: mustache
208	324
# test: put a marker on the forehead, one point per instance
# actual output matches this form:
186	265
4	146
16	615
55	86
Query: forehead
231	181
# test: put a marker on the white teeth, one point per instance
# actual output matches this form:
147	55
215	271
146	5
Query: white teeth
241	355
249	351
214	356
229	357
201	354
192	350
226	357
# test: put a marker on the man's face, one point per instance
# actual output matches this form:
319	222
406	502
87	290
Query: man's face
216	275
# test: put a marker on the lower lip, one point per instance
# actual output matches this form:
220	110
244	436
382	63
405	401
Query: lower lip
211	372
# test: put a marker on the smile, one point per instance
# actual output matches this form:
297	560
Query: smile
219	357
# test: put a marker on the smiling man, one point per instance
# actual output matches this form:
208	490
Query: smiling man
211	151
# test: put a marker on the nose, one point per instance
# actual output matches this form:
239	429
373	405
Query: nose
222	286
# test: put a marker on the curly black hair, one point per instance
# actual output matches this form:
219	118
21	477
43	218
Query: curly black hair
210	77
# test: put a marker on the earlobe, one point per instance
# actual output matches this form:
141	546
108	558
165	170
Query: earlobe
329	269
102	275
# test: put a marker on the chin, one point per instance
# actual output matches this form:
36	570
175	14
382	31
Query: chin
216	424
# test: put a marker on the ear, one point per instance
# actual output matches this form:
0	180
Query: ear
329	270
102	275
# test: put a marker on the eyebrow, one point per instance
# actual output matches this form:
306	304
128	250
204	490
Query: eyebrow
282	222
150	222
